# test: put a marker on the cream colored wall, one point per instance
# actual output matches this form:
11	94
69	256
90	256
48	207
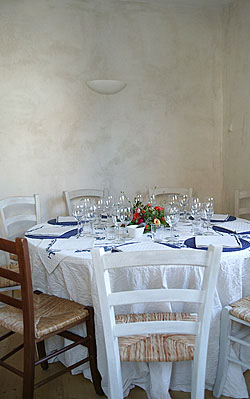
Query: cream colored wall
164	128
236	89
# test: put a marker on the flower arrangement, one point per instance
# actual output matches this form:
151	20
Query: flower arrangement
147	214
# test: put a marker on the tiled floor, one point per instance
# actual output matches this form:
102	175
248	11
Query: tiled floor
67	386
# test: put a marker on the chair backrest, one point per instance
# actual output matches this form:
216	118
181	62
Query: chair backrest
25	303
105	263
164	191
241	195
18	214
83	193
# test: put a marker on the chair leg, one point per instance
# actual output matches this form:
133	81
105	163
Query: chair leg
42	353
224	352
92	353
29	372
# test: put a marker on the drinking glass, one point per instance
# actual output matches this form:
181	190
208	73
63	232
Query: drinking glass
196	213
77	212
172	217
156	232
208	212
183	201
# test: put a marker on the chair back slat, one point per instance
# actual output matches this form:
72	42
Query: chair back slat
156	295
170	190
81	193
156	327
9	274
9	300
240	209
153	258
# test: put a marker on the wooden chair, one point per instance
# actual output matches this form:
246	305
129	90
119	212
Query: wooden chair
238	312
241	195
173	336
39	316
164	191
77	194
17	214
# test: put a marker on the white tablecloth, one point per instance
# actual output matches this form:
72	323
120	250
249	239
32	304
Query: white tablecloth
73	278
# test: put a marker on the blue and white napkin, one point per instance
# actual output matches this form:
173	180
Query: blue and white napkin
52	252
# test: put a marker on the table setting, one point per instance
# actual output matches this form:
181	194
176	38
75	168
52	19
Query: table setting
60	254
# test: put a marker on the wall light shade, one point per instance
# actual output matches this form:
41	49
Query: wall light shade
106	86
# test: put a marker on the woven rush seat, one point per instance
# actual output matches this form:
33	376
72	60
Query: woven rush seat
51	314
156	347
241	309
4	282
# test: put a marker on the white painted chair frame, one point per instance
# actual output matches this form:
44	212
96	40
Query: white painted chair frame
239	195
167	191
102	263
6	222
226	339
83	193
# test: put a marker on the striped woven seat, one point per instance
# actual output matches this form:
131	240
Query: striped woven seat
241	309
156	347
51	314
4	282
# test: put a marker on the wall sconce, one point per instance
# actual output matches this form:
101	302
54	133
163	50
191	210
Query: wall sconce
106	86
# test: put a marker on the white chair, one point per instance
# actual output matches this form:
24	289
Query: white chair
120	330
164	191
77	194
238	312
241	195
17	214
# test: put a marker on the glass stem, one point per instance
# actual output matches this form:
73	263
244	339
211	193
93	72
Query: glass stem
78	228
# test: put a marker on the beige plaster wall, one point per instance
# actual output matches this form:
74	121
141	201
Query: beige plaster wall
164	128
236	90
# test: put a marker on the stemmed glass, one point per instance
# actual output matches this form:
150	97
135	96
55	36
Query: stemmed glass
77	212
116	219
183	201
208	212
195	211
172	217
125	216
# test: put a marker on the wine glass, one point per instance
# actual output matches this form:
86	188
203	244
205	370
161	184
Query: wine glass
196	213
208	212
77	212
183	201
172	217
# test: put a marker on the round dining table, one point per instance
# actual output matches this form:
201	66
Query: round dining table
61	265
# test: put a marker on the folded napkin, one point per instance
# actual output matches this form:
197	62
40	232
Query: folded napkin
48	230
226	241
236	226
220	217
52	252
67	219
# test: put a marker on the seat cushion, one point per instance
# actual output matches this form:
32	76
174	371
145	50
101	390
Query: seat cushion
156	347
5	282
52	314
241	309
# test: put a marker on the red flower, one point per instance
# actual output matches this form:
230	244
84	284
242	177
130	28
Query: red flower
158	208
140	220
147	227
162	218
149	205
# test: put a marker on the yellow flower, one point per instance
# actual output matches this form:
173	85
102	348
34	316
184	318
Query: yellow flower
156	221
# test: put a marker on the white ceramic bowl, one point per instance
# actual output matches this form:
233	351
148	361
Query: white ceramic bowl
135	231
